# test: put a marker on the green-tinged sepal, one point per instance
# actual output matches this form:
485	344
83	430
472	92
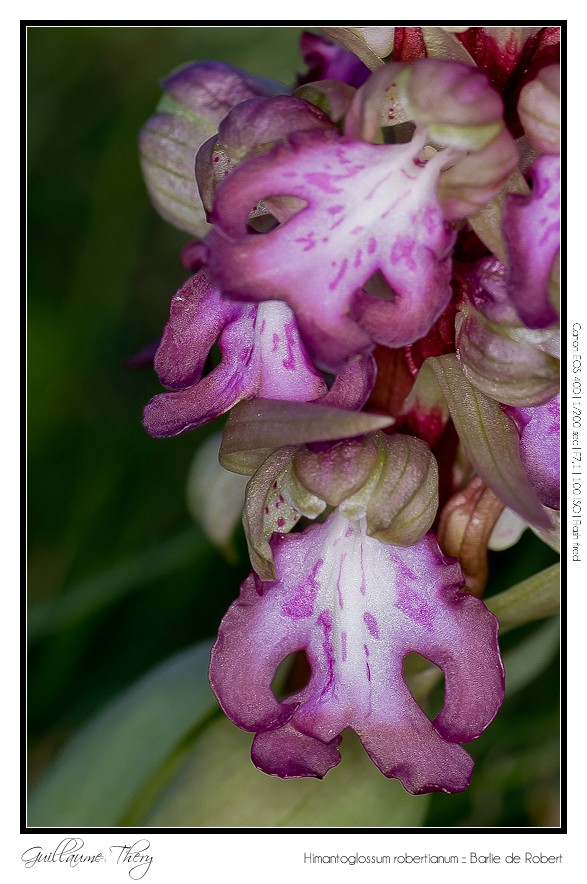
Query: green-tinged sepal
371	45
390	480
266	511
197	97
403	504
342	471
510	365
489	437
255	429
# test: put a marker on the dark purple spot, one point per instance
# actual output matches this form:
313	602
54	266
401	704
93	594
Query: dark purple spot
290	330
334	210
343	267
325	621
402	251
371	624
430	219
371	245
367	667
309	240
415	607
322	181
301	605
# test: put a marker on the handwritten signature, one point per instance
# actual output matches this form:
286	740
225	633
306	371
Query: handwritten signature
69	851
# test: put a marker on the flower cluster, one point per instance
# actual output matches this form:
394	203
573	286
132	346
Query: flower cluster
376	253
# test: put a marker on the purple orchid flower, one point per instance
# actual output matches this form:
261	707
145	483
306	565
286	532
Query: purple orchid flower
358	607
262	356
334	216
370	208
532	230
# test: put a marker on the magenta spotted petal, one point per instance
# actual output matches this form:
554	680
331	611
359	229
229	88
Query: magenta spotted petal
357	607
262	356
540	448
369	208
531	226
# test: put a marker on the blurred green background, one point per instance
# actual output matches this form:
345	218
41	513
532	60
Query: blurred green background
120	579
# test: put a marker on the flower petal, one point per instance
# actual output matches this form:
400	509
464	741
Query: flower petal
338	242
328	60
352	386
505	363
252	127
358	607
262	356
197	315
531	227
286	753
540	448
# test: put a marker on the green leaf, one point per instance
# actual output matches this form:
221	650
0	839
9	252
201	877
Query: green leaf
108	763
490	439
524	662
255	429
96	593
532	599
219	786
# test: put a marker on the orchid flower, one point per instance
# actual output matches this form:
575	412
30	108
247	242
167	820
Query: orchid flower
376	226
261	357
370	209
358	607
